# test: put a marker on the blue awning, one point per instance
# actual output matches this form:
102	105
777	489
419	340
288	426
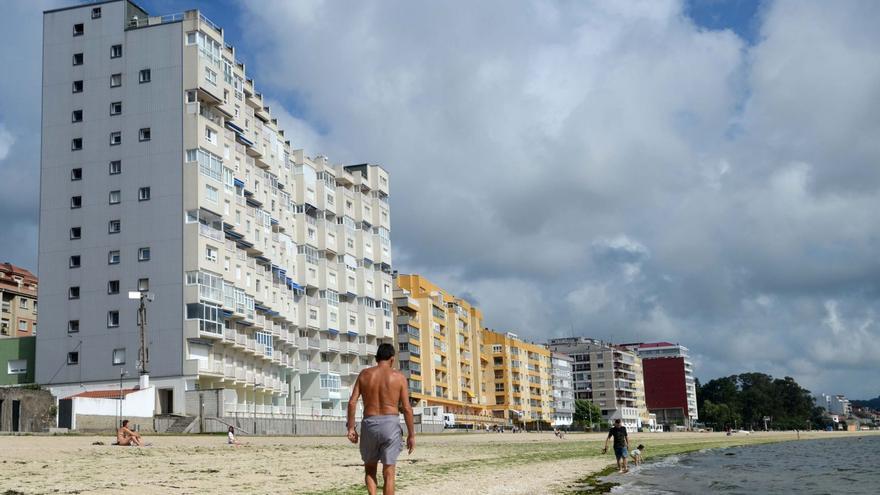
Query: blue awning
260	307
253	202
230	124
233	234
333	331
273	221
238	182
352	334
227	313
243	140
244	244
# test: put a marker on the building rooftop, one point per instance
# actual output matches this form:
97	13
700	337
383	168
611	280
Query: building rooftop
105	394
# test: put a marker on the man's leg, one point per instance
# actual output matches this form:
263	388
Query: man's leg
388	474
625	469
370	478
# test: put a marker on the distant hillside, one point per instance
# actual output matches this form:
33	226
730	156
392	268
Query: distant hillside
872	403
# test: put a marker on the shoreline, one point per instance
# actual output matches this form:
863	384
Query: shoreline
592	483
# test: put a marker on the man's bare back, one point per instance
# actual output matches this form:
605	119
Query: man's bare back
380	388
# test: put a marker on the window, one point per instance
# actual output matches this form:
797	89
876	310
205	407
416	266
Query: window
191	38
75	233
210	135
22	326
73	293
79	29
72	326
210	76
23	303
114	226
78	59
115	138
116	167
115	197
115	51
143	284
16	366
77	86
74	261
116	108
76	174
73	358
75	202
144	254
144	76
210	253
115	80
112	319
76	116
118	357
210	317
211	193
113	287
113	258
76	144
96	13
191	96
144	134
144	194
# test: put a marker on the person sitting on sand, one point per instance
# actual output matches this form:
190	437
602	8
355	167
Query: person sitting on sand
636	454
621	445
126	437
230	437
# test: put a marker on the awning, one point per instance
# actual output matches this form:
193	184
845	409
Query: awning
253	202
333	331
260	307
238	182
243	140
227	313
230	124
352	334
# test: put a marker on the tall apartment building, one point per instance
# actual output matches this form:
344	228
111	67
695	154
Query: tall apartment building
606	375
563	391
439	338
164	171
18	291
670	389
518	378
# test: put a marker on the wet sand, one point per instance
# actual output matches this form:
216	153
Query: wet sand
458	463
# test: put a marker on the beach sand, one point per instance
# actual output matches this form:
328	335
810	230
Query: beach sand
455	463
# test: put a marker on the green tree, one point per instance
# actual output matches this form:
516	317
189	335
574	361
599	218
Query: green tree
586	413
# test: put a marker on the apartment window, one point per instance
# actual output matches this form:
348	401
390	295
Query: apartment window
112	319
75	233
116	108
23	303
115	138
16	367
114	226
79	29
210	76
118	357
76	116
113	258
96	13
76	174
211	193
116	167
22	326
76	144
72	326
144	134
191	96
144	194
143	284
78	59
75	202
144	254
144	76
115	80
115	197
77	86
113	287
210	135
210	253
72	358
74	261
73	293
115	51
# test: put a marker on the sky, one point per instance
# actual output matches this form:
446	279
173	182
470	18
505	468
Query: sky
702	172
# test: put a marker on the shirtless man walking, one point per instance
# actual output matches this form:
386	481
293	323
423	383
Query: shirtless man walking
385	393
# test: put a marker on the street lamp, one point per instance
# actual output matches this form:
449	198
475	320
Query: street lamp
143	297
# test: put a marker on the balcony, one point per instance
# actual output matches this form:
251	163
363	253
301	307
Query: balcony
328	345
367	349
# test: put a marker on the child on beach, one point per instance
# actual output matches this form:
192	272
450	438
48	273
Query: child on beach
636	454
230	437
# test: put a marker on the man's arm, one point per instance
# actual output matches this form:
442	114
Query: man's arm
606	442
407	415
352	407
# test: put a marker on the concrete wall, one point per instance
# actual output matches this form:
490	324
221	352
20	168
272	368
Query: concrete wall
36	413
94	423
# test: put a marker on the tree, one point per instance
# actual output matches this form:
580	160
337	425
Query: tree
747	398
586	413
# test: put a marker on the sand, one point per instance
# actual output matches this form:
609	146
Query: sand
455	463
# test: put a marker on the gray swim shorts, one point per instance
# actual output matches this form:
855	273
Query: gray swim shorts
381	439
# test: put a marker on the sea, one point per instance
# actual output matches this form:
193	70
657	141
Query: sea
846	465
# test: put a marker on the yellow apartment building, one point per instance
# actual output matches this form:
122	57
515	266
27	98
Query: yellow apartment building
438	339
518	378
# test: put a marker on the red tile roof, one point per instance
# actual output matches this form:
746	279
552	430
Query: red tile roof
104	394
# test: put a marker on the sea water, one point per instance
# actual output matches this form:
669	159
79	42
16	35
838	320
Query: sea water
846	465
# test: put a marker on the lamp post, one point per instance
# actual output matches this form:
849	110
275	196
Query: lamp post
143	297
122	373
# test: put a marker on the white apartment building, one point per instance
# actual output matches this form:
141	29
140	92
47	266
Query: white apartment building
163	171
563	391
606	375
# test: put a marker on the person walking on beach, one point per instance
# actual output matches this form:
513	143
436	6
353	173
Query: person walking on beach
385	393
621	445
